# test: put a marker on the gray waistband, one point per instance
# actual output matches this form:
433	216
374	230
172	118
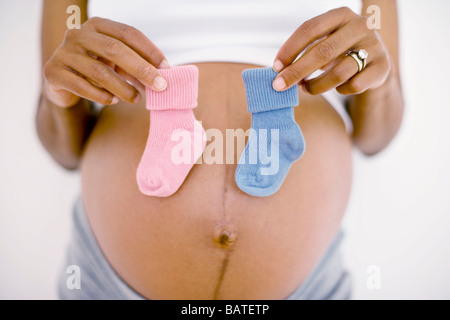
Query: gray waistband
98	278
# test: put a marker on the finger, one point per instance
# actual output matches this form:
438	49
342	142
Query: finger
332	63
59	96
69	81
310	31
120	54
342	71
107	62
129	78
322	53
135	82
102	76
133	38
334	77
372	76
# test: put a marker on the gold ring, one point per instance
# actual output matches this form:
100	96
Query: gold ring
360	58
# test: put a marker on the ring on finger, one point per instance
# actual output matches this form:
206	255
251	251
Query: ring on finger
360	57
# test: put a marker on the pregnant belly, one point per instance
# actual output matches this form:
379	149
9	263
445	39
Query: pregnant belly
210	240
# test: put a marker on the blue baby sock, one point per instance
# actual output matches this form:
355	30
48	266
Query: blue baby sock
275	139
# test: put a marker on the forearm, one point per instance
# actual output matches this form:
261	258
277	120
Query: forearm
64	131
377	114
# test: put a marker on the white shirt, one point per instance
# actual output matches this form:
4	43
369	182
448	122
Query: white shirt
245	31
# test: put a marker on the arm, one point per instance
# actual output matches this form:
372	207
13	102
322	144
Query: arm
376	103
94	63
62	131
377	113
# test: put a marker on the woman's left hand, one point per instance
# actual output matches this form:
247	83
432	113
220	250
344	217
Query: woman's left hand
327	39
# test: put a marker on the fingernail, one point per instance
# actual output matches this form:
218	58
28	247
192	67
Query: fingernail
137	98
279	84
277	65
115	100
159	83
164	64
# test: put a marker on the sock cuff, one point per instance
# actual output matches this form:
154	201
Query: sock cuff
261	96
181	91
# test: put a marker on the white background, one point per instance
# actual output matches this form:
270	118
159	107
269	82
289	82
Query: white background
398	217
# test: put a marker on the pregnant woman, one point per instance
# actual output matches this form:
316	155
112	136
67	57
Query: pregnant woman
209	239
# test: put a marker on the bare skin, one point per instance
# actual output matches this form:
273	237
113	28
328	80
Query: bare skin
170	247
209	240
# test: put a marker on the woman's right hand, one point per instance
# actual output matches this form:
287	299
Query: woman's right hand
95	61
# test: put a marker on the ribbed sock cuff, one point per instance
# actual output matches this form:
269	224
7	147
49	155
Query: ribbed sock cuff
261	96
181	91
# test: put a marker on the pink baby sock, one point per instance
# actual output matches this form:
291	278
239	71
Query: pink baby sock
176	139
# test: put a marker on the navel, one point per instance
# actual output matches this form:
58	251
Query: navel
225	234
